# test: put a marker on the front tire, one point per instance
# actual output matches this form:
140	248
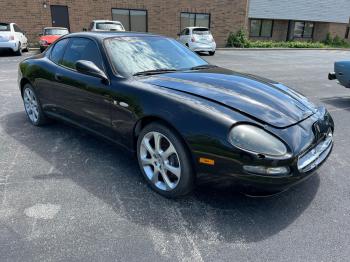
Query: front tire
165	161
32	106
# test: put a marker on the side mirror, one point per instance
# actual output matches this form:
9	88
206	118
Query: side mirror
89	68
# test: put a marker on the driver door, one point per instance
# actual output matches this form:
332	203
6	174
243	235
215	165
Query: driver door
84	99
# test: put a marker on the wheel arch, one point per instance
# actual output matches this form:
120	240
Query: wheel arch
146	120
22	83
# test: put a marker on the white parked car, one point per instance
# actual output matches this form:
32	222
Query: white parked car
198	39
106	25
12	38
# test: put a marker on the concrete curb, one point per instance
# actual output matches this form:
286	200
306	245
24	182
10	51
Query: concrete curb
278	49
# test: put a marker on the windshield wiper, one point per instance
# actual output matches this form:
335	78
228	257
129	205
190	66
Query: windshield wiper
155	71
202	67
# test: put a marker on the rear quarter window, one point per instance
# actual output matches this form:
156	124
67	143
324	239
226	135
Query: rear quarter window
201	31
4	27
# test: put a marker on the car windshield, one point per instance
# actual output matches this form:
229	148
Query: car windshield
4	27
55	31
132	55
109	26
201	31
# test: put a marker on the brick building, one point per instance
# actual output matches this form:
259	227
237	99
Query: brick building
283	20
166	17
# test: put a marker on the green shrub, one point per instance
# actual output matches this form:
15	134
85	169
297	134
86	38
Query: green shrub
336	41
289	44
329	39
238	39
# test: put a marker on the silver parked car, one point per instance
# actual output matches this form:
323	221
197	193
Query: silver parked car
106	25
12	38
198	39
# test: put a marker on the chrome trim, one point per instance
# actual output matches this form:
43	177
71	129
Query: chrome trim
316	156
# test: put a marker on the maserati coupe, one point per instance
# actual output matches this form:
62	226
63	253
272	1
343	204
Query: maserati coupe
183	118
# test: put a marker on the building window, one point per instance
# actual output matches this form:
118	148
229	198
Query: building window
347	32
132	19
194	19
303	29
261	28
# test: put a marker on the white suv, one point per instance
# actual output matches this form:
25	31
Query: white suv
198	39
12	38
106	25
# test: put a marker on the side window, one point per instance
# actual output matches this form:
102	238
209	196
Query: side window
81	49
17	29
58	50
187	32
91	26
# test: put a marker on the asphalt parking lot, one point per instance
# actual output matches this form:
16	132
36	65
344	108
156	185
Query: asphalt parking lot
68	196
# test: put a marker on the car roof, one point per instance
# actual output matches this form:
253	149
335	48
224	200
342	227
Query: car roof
104	21
53	27
196	27
109	34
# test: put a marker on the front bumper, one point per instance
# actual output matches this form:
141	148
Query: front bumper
258	184
229	170
12	45
43	47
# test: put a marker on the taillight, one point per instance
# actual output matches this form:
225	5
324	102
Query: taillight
12	37
193	39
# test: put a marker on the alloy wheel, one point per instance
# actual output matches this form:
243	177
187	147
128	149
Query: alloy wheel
31	105
160	161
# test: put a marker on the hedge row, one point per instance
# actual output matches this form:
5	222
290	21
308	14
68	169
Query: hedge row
240	39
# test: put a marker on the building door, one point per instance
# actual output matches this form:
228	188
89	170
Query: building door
60	16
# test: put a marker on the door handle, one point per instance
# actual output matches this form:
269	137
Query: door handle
58	77
340	73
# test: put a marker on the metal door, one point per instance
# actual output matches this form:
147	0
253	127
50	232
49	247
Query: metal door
60	16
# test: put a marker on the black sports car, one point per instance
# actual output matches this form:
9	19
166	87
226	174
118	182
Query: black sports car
183	117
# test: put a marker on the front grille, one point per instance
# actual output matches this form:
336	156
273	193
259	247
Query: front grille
314	157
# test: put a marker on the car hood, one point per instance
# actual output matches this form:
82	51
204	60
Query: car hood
264	100
50	38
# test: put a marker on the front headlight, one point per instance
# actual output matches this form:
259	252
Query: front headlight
254	139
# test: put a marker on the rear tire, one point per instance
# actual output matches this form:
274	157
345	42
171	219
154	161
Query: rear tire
32	107
19	51
212	53
166	165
